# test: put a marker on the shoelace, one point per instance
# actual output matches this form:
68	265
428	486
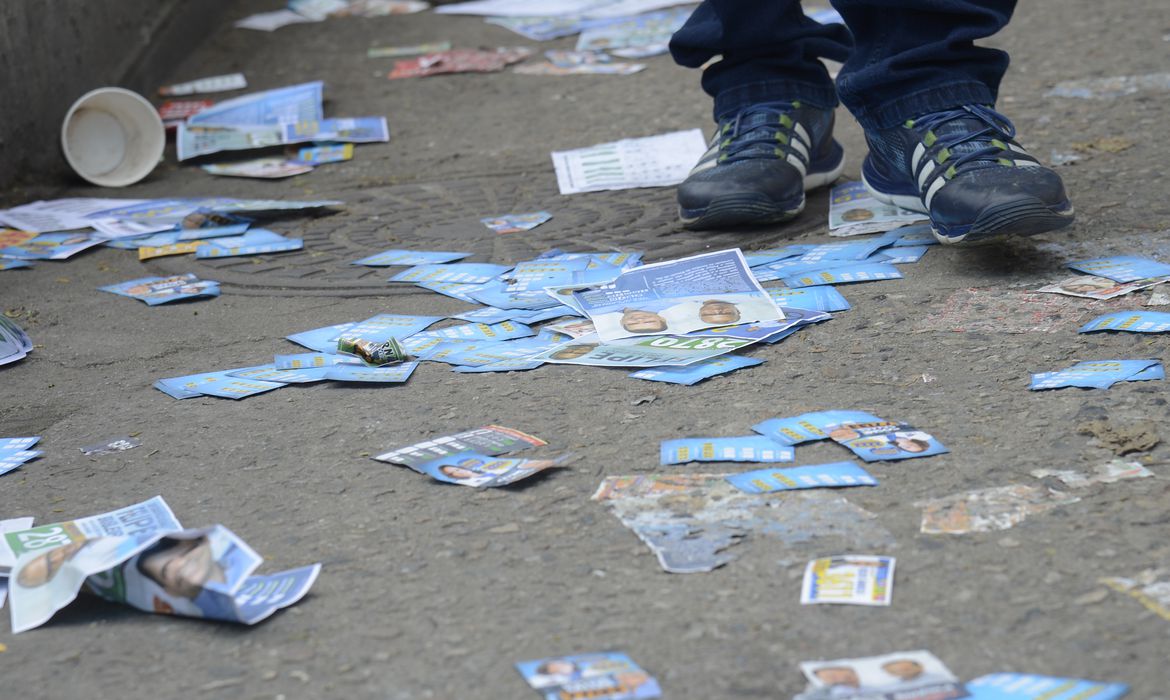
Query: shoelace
997	134
740	136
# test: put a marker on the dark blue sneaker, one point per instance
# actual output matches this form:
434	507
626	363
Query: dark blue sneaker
963	169
760	163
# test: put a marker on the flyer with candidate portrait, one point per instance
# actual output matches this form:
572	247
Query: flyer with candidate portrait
600	676
899	676
678	296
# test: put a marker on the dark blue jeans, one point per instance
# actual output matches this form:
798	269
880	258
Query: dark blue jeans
903	58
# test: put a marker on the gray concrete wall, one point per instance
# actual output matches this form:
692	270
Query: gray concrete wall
53	51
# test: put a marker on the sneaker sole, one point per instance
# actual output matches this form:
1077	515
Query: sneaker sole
1014	219
734	211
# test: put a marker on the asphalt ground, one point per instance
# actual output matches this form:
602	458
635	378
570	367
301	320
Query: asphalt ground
430	591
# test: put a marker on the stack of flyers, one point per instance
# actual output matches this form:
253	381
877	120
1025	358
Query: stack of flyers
848	579
490	440
1027	686
653	161
853	211
678	296
600	676
161	290
458	61
909	674
1094	287
481	471
215	83
140	556
1099	374
15	452
515	223
14	342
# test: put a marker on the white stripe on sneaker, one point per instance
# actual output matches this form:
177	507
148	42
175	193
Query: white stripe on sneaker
934	188
925	174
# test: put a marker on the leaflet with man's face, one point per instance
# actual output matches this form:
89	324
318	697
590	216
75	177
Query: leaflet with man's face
878	440
601	676
678	296
910	674
481	471
161	290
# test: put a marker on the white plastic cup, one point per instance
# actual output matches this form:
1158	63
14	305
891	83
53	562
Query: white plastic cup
112	137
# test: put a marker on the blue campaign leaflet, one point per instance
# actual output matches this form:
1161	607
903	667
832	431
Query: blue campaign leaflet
350	130
748	448
16	444
161	290
857	272
678	296
1130	322
495	293
698	371
490	353
320	155
491	440
905	254
538	315
189	386
1098	374
505	330
216	249
15	451
455	290
229	387
1026	686
50	246
916	235
600	676
642	352
1122	268
489	314
383	327
808	427
285	376
844	250
355	373
535	275
879	440
465	273
816	298
156	240
256	236
756	258
443	349
310	360
295	103
515	223
320	339
817	476
482	471
14	264
396	256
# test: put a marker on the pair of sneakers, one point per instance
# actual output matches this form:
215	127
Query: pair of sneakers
961	167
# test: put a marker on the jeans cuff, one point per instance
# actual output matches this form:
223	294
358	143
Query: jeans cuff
892	113
731	100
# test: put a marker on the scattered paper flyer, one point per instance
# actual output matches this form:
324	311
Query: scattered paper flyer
15	451
490	440
263	168
516	223
853	211
320	155
1027	686
120	444
988	510
388	258
162	290
908	674
1122	268
1099	374
1094	287
51	246
1151	588
750	448
216	83
653	161
818	476
698	371
481	471
848	579
458	61
601	676
678	296
1130	322
140	556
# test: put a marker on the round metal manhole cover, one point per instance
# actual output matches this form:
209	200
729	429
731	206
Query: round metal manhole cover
446	216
